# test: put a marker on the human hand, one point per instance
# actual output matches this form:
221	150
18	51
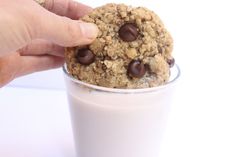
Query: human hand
32	37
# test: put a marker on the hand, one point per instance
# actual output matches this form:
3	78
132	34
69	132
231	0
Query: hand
32	37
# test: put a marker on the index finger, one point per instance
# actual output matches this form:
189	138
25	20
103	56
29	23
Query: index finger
68	8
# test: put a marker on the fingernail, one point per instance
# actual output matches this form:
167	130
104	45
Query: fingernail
89	30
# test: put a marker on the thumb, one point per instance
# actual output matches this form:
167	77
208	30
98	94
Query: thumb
64	31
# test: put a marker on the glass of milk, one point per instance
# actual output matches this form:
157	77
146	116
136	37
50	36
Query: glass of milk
111	122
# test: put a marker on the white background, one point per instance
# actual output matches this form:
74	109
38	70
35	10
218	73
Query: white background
35	123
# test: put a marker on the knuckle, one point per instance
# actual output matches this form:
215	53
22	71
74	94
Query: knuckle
30	21
23	51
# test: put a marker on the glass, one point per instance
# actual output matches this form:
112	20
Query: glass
111	122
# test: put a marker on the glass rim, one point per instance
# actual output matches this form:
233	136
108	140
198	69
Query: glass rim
121	90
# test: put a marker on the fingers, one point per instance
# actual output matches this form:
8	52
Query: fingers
31	64
15	65
68	8
64	31
21	25
42	47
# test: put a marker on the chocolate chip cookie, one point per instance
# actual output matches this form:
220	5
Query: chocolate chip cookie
133	49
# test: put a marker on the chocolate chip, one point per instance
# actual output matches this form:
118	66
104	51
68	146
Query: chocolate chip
171	62
85	56
128	32
136	69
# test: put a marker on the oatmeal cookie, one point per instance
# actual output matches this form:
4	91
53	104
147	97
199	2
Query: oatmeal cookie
133	49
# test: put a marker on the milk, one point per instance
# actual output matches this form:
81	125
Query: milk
117	123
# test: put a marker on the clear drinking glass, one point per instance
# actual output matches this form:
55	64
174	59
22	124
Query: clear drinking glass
111	122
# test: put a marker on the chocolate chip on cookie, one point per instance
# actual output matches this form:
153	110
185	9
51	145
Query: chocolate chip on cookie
128	32
171	62
136	69
85	56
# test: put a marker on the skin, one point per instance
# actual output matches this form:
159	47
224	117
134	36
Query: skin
32	37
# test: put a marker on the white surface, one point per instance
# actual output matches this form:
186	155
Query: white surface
51	79
35	123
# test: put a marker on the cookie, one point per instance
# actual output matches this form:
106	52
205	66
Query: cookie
133	49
